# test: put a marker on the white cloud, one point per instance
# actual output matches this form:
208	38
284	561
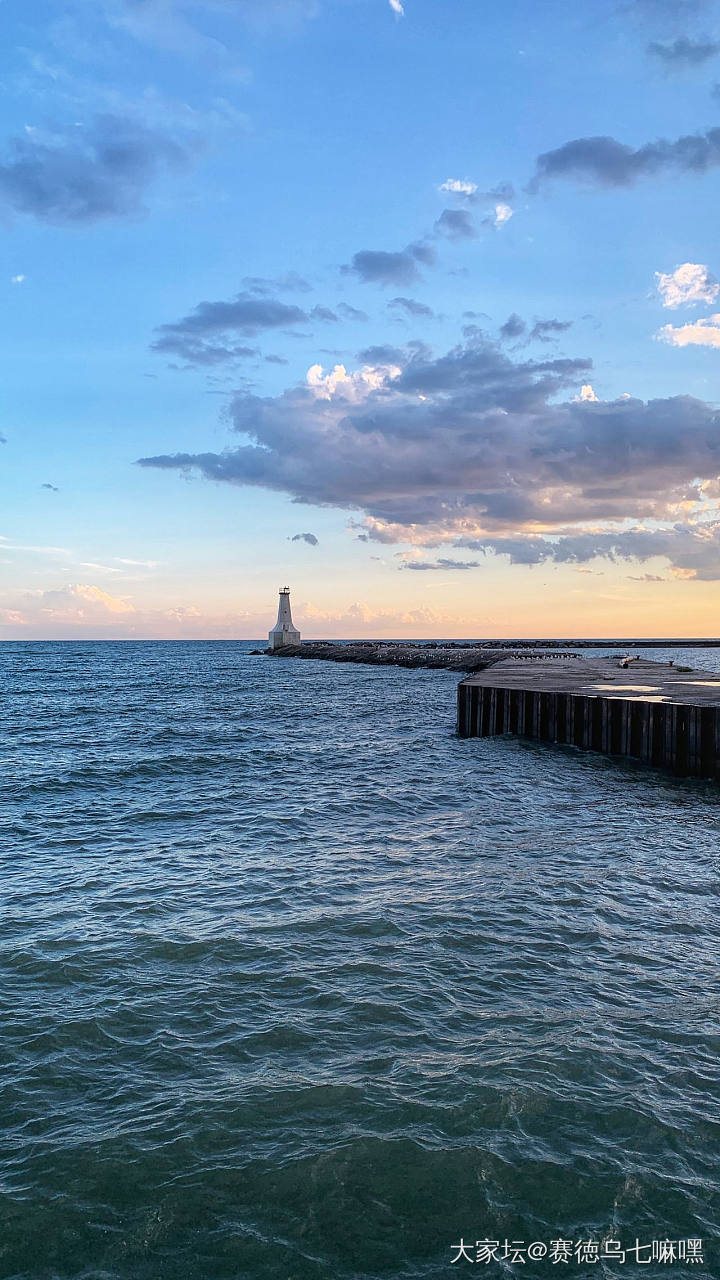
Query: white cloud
348	386
137	564
361	618
459	187
95	597
17	279
73	605
397	8
182	613
33	548
503	214
587	394
702	333
689	283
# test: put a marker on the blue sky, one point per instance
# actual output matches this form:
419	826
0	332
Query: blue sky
433	284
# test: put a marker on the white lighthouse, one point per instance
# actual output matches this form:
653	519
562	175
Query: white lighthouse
283	632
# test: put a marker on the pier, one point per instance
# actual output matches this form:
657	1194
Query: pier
658	713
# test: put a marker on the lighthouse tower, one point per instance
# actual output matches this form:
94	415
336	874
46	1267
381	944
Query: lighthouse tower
283	632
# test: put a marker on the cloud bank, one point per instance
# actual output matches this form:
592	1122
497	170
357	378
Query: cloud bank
693	550
469	446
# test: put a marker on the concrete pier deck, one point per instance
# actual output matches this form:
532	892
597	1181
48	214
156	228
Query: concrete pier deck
664	715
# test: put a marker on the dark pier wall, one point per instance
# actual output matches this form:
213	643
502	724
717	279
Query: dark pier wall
685	739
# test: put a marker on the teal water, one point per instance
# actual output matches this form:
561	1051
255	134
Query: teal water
296	985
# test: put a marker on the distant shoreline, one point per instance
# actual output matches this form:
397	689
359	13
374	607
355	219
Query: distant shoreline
711	642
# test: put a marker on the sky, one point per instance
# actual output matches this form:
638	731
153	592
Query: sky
412	306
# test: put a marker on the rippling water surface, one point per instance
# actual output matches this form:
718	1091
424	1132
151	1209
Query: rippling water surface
296	985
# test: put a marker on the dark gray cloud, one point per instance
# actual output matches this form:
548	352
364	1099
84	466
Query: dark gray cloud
514	327
386	354
199	352
610	163
683	52
378	266
473	447
423	253
80	175
324	314
201	337
411	308
382	267
381	355
503	193
456	224
424	565
547	330
310	538
266	286
351	313
473	332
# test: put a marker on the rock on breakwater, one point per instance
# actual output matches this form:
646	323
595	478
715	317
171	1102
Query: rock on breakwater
448	656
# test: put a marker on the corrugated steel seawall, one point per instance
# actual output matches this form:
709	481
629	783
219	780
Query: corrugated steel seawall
682	738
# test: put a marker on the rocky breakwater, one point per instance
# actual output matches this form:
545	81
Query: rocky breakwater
450	656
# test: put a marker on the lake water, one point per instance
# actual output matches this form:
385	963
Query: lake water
297	985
